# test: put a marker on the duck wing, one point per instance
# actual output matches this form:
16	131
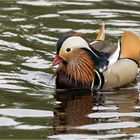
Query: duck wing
101	45
130	46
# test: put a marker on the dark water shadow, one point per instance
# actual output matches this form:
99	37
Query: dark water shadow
81	108
72	110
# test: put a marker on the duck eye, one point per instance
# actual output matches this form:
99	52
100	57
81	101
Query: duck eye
68	49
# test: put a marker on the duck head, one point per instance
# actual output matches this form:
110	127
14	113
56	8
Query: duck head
76	60
69	47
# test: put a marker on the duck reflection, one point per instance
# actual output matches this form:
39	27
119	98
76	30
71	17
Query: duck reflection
127	102
73	110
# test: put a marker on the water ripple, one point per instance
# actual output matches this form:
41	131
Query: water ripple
88	137
36	62
45	37
102	13
5	63
49	3
113	114
13	46
35	3
35	38
105	108
31	127
47	16
11	9
18	19
107	126
8	34
4	121
25	112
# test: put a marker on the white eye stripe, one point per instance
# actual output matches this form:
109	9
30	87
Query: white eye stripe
75	42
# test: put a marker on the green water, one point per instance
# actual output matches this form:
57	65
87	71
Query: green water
29	106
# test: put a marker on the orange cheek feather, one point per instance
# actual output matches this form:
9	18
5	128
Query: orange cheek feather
63	54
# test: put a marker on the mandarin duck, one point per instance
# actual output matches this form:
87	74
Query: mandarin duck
96	65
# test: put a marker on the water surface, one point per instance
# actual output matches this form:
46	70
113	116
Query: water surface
30	108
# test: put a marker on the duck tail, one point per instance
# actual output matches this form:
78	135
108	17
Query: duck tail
130	46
